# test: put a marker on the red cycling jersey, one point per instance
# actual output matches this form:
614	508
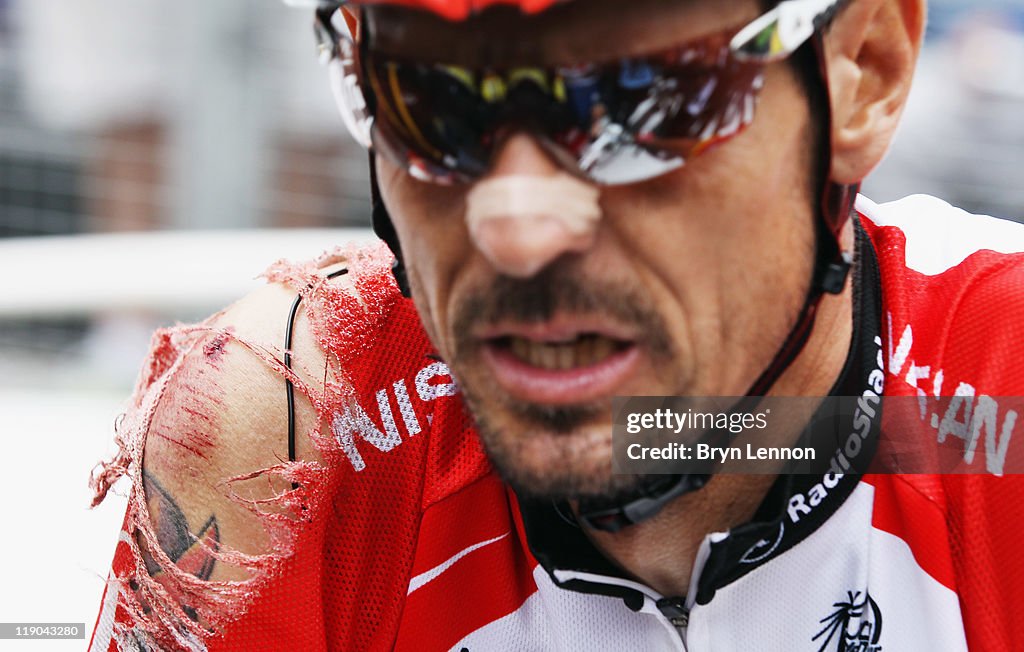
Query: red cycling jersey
410	541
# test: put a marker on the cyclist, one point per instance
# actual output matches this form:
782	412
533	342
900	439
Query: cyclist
585	200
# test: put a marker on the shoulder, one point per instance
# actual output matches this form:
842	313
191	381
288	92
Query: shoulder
328	355
211	412
379	429
217	403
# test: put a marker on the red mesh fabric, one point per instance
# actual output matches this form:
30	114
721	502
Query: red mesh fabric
967	322
962	329
963	531
985	516
493	576
986	513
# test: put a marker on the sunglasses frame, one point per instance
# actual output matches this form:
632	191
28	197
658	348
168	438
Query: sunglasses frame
771	37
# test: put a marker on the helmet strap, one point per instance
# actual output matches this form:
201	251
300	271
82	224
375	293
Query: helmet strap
385	230
611	515
831	269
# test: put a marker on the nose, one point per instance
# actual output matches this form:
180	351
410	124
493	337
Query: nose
528	211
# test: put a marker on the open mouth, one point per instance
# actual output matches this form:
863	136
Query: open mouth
567	364
584	350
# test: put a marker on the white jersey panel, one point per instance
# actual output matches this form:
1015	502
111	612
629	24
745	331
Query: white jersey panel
940	236
846	587
557	620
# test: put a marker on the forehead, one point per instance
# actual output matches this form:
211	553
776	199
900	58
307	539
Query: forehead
582	30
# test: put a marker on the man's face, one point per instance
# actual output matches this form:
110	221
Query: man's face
689	287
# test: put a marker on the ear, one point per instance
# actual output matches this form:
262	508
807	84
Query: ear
871	52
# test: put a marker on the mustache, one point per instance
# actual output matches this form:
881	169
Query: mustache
558	289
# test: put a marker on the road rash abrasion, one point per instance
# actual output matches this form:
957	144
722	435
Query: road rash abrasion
178	610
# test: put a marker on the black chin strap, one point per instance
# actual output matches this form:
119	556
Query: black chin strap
832	266
654	495
657	491
830	273
385	230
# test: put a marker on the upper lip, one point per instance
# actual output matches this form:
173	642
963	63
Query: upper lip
561	328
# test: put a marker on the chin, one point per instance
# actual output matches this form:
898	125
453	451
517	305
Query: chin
546	452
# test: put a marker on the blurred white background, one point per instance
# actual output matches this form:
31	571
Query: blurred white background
138	141
962	135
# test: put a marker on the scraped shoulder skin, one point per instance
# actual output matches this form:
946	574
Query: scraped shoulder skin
224	416
215	503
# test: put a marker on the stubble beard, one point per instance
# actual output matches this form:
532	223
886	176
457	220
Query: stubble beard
546	451
558	454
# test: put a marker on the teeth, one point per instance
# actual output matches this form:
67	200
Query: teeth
584	351
602	348
521	348
546	356
566	355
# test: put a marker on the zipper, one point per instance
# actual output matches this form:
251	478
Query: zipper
681	622
677	612
681	627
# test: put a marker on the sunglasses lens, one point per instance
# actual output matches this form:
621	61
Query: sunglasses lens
653	114
431	119
615	123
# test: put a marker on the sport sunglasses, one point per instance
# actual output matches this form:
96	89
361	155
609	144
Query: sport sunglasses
612	123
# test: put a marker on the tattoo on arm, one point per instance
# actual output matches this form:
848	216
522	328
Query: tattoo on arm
190	552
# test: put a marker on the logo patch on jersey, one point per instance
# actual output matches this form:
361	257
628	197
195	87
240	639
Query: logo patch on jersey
855	625
763	548
353	422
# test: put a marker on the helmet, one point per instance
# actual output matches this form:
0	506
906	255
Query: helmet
447	9
790	19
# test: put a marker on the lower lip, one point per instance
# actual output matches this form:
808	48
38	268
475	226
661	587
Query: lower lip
561	386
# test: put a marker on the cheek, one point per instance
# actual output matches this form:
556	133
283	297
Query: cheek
734	208
704	229
725	245
434	240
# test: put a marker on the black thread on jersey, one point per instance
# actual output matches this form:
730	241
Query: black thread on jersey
289	386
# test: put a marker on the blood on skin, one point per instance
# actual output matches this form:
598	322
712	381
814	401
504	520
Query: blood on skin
187	416
214	349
